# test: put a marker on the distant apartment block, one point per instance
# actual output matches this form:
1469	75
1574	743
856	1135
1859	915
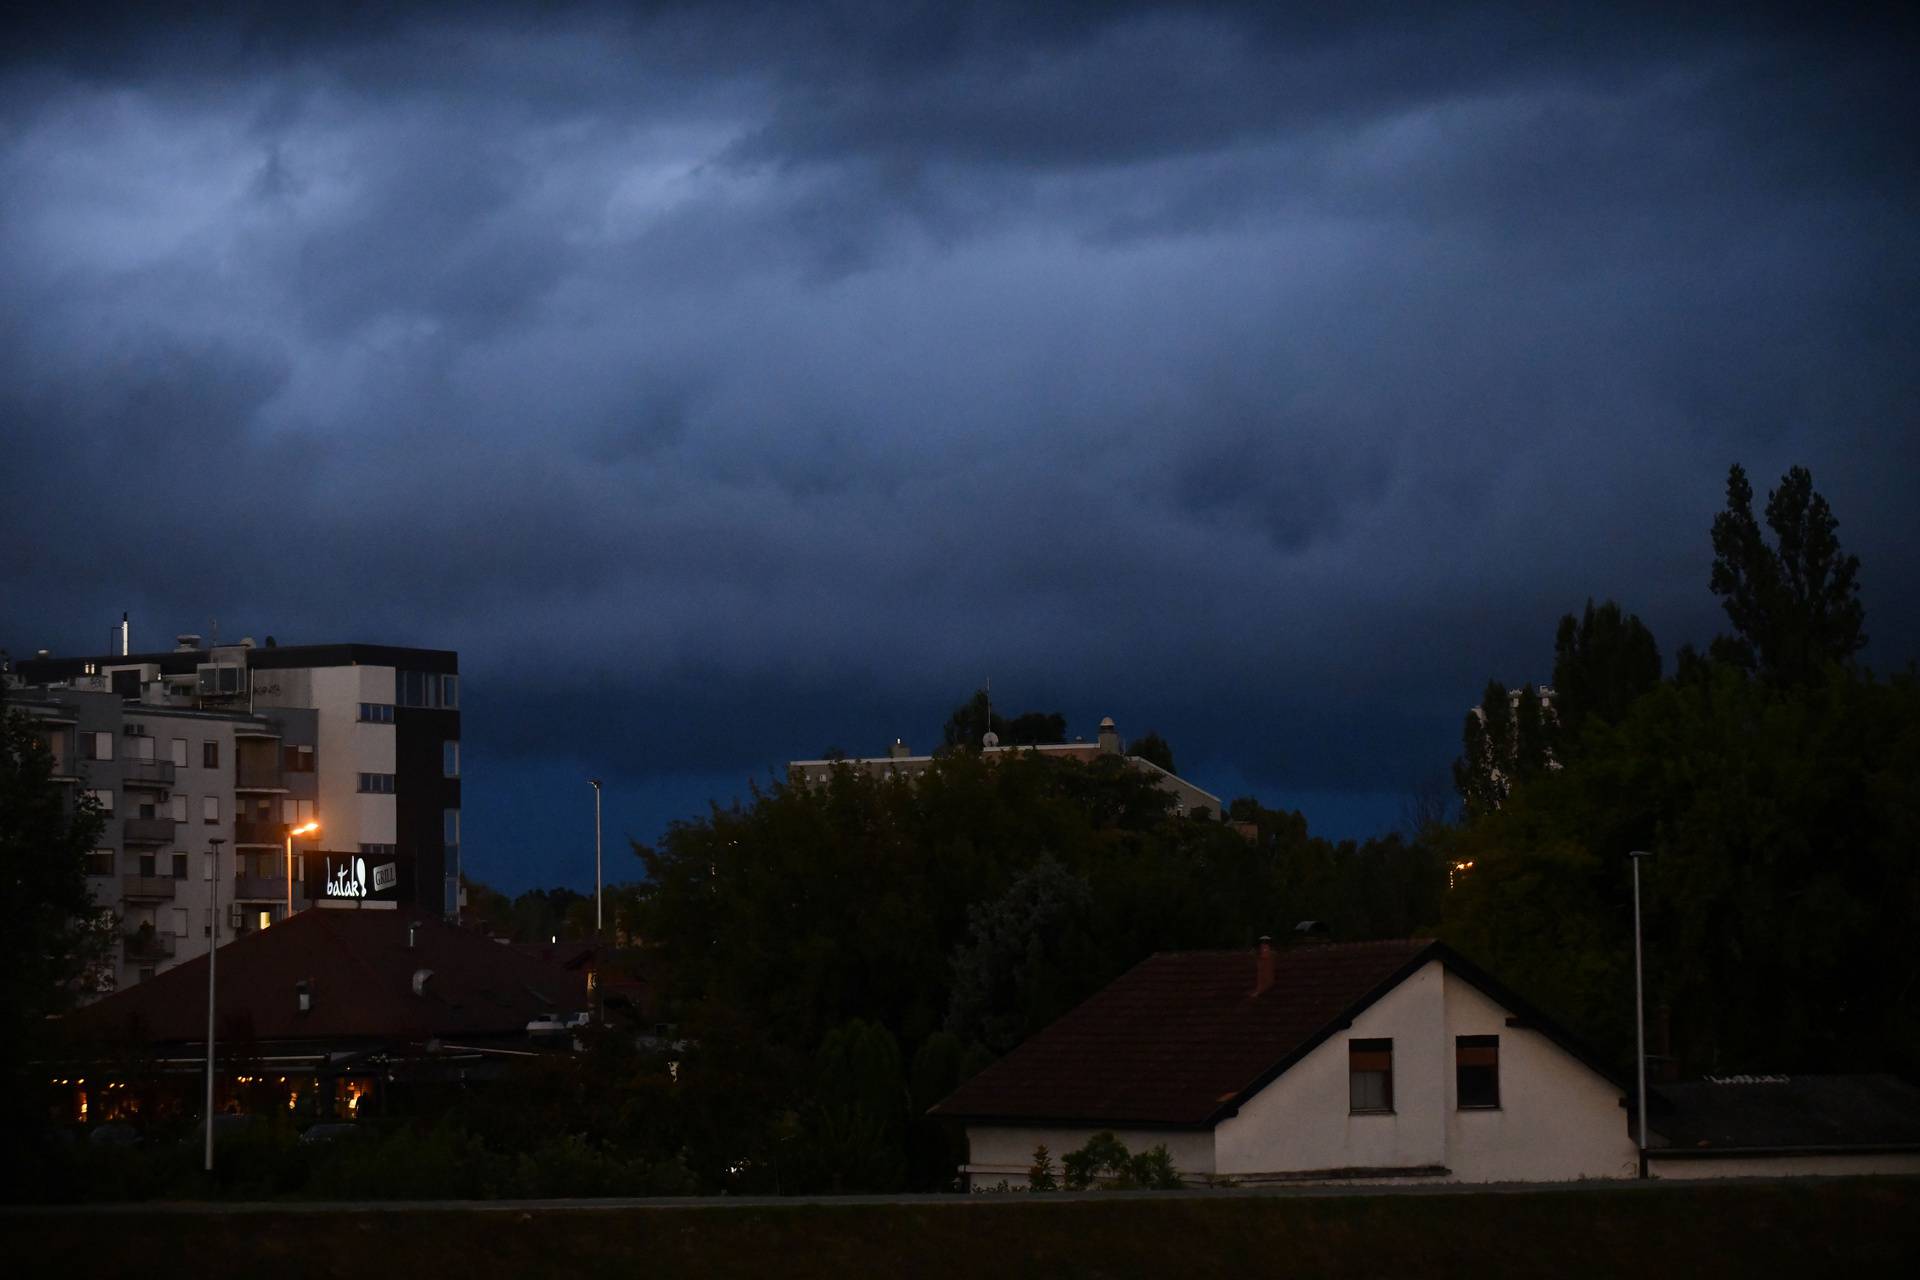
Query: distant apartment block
1188	799
239	744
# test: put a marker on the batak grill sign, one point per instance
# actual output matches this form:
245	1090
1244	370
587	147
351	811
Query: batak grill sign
349	878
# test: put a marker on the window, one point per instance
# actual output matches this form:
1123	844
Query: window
377	850
450	827
177	808
1370	1075
143	748
299	759
149	866
450	758
376	712
380	784
99	745
179	922
1476	1071
210	809
104	799
210	755
424	689
179	753
217	679
100	862
180	869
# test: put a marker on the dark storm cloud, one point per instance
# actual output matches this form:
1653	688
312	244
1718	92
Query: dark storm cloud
731	381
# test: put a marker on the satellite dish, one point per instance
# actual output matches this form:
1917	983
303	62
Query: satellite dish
990	740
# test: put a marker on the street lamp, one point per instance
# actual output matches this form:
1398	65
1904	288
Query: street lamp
1639	1008
213	951
598	923
305	829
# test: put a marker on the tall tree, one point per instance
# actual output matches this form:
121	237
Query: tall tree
1154	749
1602	661
46	831
1505	740
966	729
1795	605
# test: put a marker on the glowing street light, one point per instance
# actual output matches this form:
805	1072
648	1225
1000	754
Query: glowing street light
305	829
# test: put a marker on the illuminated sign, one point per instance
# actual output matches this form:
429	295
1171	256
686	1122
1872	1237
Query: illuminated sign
385	876
350	881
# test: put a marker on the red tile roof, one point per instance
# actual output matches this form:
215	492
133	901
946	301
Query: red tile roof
1180	1040
359	968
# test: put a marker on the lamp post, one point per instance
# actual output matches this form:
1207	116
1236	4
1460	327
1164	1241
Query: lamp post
1639	1008
306	829
213	951
598	922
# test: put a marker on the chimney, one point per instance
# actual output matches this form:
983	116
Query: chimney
1263	967
898	751
1109	737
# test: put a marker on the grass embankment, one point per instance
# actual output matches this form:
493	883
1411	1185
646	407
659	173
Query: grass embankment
1867	1226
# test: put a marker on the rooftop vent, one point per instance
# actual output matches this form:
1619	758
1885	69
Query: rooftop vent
186	641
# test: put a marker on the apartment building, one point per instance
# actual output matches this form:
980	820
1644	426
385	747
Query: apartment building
242	743
179	785
1188	800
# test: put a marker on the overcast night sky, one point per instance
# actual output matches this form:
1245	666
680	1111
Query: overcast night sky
729	381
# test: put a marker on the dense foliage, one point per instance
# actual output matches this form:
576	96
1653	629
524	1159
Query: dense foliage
1778	786
840	957
51	934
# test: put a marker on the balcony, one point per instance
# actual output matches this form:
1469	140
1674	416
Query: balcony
267	889
247	831
148	830
147	888
254	775
147	944
147	773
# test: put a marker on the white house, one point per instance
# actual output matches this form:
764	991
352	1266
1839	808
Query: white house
1375	1061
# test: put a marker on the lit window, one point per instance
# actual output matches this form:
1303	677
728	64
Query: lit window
1370	1075
1476	1071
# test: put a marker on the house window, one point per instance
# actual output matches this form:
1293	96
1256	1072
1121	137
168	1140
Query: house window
179	753
100	862
149	866
179	922
210	755
376	712
177	808
1476	1071
180	869
298	759
104	799
99	745
210	809
1370	1075
450	758
142	747
377	783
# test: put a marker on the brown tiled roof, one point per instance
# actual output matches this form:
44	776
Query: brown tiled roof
359	969
1181	1040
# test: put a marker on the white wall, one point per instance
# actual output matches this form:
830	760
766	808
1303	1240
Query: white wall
1303	1120
1783	1166
347	748
1557	1119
